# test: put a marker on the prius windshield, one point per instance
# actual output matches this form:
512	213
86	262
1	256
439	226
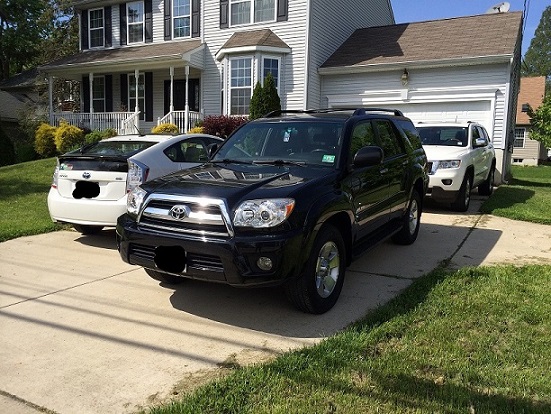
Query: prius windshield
295	142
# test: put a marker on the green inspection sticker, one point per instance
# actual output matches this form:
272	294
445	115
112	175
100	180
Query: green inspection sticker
328	158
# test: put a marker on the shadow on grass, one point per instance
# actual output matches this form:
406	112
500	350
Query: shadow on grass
527	183
506	197
16	187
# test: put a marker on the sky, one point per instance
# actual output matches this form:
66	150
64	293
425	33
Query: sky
406	11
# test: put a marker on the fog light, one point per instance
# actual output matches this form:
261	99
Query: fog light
446	182
264	263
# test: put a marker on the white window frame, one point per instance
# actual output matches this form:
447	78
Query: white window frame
262	67
132	94
518	138
252	14
180	16
231	88
98	98
100	28
130	24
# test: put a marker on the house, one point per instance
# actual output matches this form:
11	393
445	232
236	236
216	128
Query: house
459	69
527	151
146	62
17	94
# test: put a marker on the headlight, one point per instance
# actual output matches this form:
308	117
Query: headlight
135	200
137	174
263	213
447	164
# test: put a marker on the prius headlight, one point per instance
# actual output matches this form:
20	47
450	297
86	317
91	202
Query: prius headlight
135	200
263	212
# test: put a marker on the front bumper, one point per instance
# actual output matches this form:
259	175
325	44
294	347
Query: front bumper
444	185
231	261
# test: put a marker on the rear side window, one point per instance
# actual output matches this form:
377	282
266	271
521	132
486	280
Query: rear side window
390	142
113	148
411	132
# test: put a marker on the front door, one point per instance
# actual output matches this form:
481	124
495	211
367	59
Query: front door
180	93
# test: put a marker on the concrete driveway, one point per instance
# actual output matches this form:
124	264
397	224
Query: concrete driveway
83	332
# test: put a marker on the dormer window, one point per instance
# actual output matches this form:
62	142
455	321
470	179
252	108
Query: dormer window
135	21
181	15
97	27
247	11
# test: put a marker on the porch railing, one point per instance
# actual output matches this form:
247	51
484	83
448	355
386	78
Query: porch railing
122	122
178	118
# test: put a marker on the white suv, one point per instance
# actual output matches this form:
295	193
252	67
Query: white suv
460	157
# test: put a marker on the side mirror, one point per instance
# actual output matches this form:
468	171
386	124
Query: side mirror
480	142
368	156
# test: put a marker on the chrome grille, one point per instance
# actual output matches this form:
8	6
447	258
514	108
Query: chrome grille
203	216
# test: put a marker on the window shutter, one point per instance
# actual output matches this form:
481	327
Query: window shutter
195	18
124	91
84	30
148	21
148	96
224	14
122	9
108	27
282	10
86	93
168	20
108	93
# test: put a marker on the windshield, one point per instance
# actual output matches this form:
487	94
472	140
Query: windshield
113	148
444	135
307	142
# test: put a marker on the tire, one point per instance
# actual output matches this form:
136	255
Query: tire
164	277
464	197
318	288
411	221
84	229
487	187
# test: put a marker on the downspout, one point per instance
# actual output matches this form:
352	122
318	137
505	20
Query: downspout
506	110
306	57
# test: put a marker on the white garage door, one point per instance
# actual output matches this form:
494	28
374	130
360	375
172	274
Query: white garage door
477	111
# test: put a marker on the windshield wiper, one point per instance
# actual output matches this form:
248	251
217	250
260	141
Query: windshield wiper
230	161
280	162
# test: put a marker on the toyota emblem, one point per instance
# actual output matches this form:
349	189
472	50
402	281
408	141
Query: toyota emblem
179	212
86	175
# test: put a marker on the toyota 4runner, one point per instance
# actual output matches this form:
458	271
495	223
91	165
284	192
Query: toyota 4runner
288	199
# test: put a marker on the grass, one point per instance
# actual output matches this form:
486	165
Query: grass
527	197
23	193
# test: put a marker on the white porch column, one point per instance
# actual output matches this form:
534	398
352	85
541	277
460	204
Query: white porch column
137	107
186	108
171	108
91	98
51	98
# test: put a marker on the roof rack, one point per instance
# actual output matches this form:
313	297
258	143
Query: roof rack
363	111
279	112
359	111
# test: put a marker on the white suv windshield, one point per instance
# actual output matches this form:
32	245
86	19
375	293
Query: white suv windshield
454	136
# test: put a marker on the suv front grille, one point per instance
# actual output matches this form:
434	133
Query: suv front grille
194	260
189	215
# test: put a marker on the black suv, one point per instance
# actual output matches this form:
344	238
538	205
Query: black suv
287	199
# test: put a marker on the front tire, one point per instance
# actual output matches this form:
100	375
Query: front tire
411	221
487	187
85	229
319	287
164	277
464	196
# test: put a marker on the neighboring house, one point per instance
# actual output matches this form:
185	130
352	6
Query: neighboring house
460	69
527	151
151	61
16	94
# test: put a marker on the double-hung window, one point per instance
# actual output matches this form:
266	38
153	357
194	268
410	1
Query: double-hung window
181	15
97	29
141	93
251	11
240	85
98	94
520	136
271	65
135	22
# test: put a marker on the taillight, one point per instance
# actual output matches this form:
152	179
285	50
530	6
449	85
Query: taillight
137	175
55	176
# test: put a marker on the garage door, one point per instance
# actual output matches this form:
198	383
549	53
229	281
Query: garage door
477	111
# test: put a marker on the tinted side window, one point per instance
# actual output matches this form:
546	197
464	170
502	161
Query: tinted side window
411	132
390	143
362	136
189	150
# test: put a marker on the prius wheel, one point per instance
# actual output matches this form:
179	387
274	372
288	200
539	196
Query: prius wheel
164	277
319	287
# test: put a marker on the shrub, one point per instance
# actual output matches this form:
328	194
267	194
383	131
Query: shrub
44	140
7	152
68	137
165	129
257	107
223	125
196	130
271	98
96	136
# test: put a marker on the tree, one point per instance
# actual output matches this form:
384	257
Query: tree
541	122
537	60
256	107
271	98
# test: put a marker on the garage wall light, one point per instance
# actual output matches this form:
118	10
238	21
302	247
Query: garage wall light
405	77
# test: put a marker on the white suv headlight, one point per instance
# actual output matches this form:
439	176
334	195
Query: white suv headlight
263	213
448	164
135	200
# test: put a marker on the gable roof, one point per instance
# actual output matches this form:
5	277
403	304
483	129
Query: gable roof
532	91
24	80
246	41
431	42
